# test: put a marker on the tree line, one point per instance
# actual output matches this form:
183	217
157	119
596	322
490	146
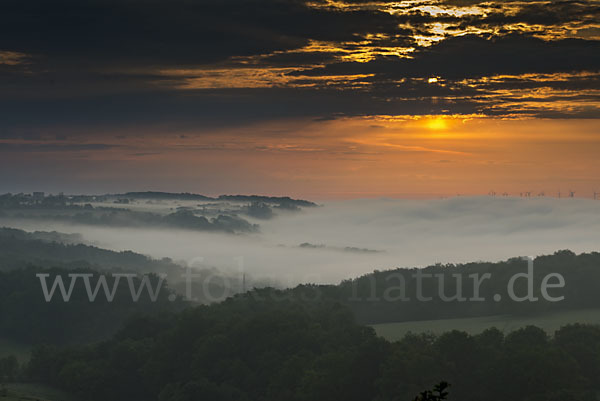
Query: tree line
254	348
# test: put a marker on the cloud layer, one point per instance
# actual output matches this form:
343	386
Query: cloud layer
147	61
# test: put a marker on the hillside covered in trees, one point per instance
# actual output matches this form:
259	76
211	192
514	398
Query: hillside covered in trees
19	248
185	211
303	343
254	348
377	297
28	318
447	291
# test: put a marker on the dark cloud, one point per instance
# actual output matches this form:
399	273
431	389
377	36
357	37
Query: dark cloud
463	3
103	62
548	14
567	83
53	147
174	32
300	58
475	56
206	109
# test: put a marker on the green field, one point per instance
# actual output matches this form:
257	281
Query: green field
8	347
506	323
33	392
25	391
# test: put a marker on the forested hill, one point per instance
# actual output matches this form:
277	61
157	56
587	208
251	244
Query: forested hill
273	200
28	318
260	348
378	298
305	343
222	214
373	298
43	250
19	248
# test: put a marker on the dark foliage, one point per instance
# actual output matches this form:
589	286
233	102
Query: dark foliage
19	248
255	348
376	297
26	317
439	393
62	208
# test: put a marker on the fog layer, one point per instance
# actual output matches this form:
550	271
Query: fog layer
345	239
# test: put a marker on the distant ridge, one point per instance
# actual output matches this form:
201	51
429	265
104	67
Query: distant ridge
233	198
163	195
282	201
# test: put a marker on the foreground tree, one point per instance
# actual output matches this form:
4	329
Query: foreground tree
439	393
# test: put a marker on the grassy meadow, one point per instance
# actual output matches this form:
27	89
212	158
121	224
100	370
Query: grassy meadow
20	351
549	322
31	391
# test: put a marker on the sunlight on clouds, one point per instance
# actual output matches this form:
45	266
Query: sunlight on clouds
248	77
437	10
12	58
361	51
431	32
420	24
364	50
205	78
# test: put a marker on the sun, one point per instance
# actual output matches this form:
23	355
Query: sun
436	123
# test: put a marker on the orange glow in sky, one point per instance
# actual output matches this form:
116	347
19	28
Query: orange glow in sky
348	158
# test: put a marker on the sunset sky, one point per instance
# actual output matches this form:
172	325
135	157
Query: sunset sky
316	99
